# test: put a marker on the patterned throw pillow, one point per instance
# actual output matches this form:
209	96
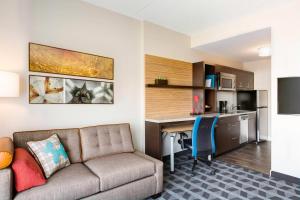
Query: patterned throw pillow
50	154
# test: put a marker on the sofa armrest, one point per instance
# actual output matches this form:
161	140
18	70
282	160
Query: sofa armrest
6	184
158	170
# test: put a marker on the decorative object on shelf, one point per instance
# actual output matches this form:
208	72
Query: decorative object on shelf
162	81
9	84
197	108
54	60
210	81
54	90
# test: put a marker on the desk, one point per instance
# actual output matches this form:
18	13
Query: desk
155	126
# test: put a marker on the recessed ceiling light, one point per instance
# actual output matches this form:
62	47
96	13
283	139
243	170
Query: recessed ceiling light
264	51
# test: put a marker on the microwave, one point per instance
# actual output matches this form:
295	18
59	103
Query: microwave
227	81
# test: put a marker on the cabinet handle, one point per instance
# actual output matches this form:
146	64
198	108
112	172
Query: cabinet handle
234	138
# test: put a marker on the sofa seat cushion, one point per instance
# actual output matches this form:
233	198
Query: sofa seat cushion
119	169
73	182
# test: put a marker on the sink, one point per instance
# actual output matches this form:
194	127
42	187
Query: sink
237	112
242	111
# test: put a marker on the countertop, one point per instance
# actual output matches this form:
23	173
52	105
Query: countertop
167	119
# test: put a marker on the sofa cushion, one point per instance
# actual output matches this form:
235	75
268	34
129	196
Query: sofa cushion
51	154
119	169
72	182
104	140
68	137
6	152
27	172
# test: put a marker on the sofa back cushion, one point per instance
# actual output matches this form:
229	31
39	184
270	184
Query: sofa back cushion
68	137
105	140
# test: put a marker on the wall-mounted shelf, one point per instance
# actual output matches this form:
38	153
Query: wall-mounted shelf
214	89
174	86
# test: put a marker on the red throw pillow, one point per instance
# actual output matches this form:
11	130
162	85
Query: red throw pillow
26	170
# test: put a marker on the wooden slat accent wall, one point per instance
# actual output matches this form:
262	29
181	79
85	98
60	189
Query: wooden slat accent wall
168	102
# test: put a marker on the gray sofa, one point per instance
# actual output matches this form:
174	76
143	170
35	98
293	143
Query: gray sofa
104	165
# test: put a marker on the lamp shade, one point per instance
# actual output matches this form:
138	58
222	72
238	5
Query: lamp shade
9	84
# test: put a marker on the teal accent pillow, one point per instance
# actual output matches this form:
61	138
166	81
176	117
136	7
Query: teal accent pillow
50	153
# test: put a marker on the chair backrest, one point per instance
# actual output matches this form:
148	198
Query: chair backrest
203	135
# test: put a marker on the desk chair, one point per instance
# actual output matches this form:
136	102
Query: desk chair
202	143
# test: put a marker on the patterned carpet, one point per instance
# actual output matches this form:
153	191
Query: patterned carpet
231	182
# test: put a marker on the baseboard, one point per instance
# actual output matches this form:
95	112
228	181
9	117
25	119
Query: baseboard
285	177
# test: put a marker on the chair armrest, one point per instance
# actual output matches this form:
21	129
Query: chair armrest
159	174
6	184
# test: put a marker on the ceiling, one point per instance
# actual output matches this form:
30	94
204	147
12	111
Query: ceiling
187	16
243	48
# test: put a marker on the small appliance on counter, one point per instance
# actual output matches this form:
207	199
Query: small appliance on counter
223	107
207	108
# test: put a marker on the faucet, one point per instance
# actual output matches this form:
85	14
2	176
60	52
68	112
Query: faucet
235	108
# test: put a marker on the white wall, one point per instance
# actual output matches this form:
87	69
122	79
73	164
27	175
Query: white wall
78	26
262	73
167	43
285	28
262	81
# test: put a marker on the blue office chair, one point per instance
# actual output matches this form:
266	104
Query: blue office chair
202	143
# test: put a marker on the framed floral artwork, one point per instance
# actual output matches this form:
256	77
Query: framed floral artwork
55	90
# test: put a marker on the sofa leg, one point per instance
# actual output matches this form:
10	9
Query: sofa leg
156	196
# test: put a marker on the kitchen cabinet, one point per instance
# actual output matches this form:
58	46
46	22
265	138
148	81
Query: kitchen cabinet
244	80
227	134
252	127
198	74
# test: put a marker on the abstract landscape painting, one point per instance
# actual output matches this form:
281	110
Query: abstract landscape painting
54	60
52	90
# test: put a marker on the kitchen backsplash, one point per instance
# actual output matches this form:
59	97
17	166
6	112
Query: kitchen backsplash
230	97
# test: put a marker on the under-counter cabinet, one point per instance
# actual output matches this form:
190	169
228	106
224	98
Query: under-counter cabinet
227	134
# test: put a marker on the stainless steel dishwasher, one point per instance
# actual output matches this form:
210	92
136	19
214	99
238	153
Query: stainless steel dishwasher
244	128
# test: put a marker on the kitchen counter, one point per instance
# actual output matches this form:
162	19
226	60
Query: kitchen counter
167	119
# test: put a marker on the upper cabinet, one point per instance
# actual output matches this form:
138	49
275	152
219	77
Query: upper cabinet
198	74
244	79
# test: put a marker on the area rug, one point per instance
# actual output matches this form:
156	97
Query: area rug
230	182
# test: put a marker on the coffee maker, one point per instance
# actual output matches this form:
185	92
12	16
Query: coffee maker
223	107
